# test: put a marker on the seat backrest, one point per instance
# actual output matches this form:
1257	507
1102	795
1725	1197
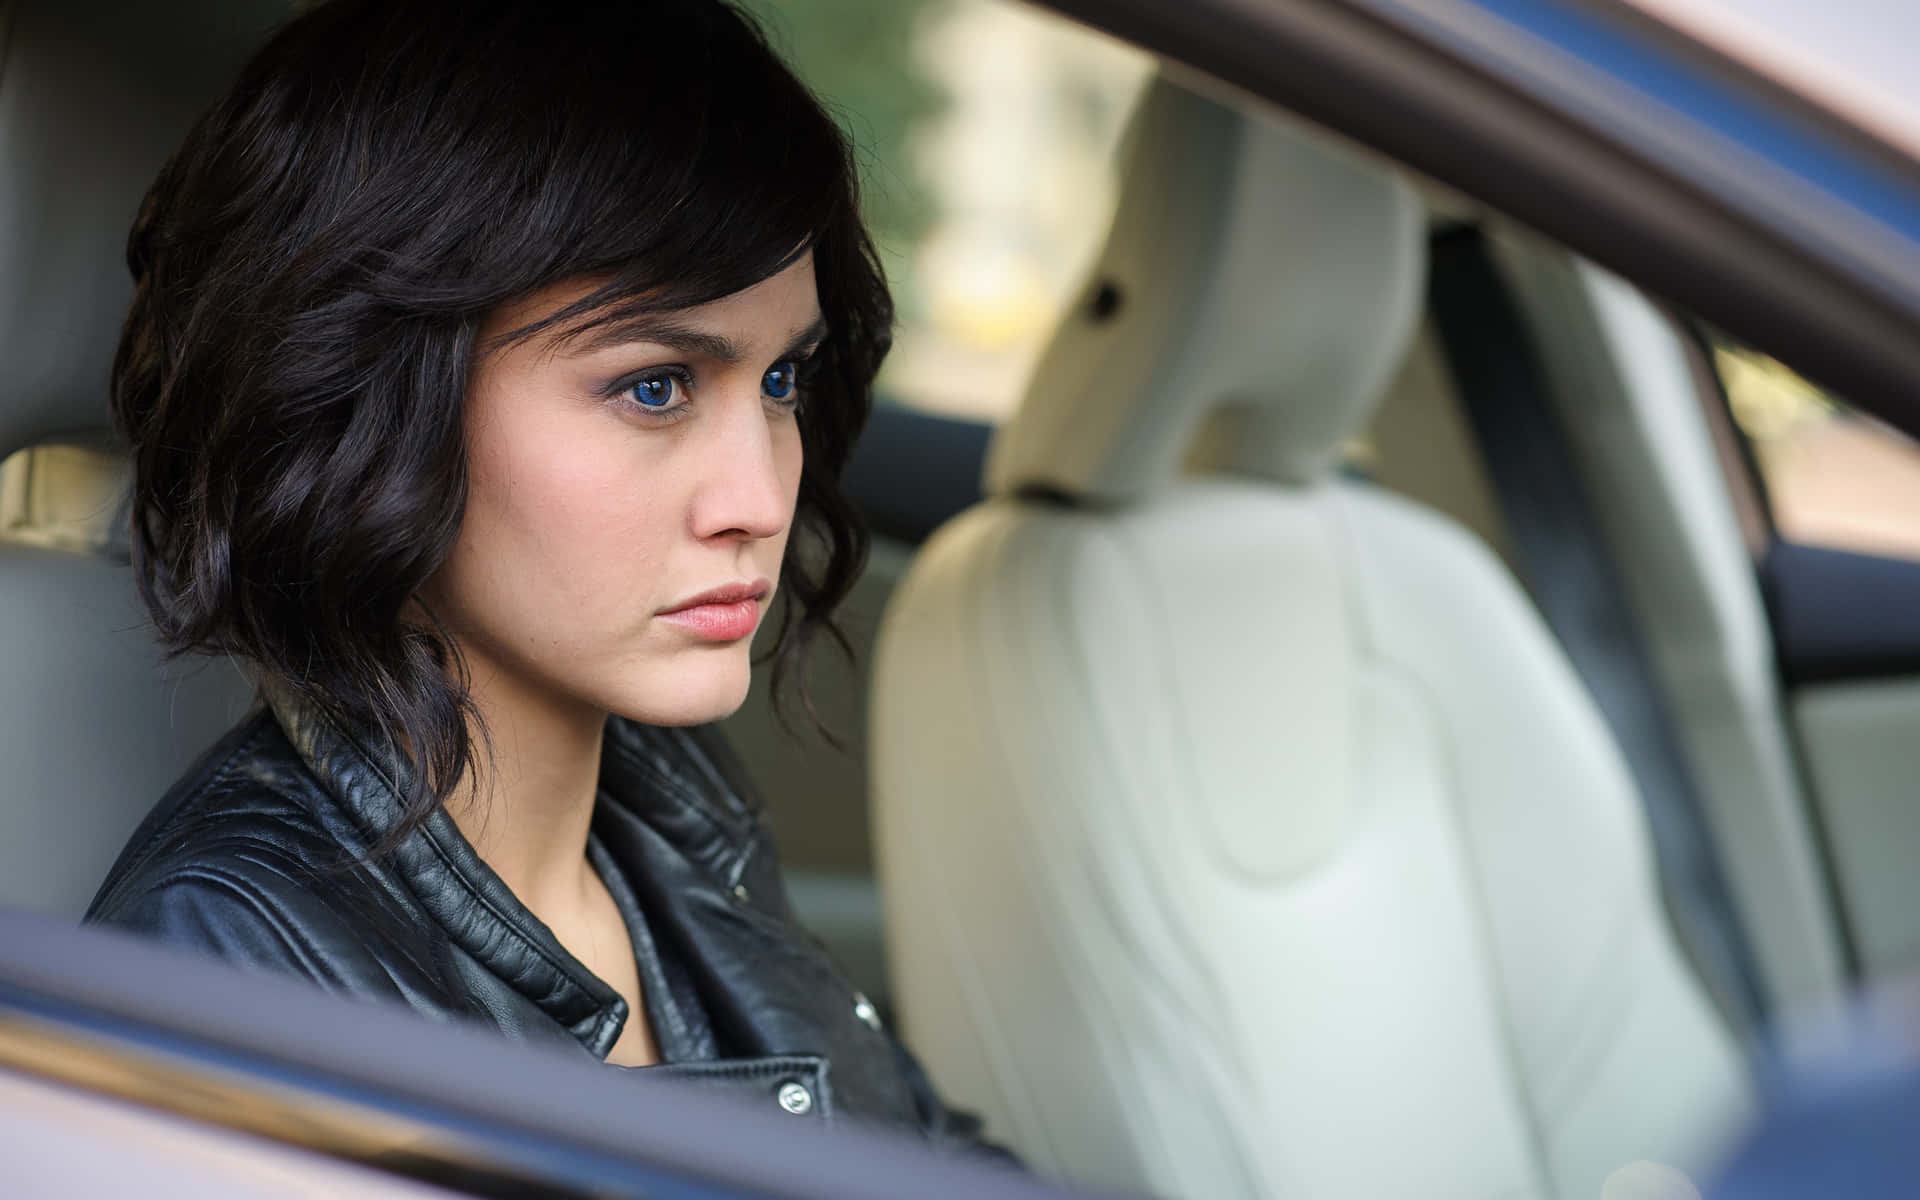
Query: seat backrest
93	96
1242	830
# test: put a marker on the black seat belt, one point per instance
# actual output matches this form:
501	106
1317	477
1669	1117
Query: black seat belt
1564	564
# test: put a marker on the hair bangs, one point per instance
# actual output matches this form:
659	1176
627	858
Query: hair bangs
691	179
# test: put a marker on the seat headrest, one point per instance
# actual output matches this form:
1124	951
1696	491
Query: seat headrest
1254	274
94	95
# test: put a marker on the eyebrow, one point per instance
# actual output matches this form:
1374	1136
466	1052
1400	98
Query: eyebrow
663	330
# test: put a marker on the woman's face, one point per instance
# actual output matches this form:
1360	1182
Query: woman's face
629	497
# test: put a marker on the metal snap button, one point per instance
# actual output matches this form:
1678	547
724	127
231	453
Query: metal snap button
864	1009
795	1098
740	892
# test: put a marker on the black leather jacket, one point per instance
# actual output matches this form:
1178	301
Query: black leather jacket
260	855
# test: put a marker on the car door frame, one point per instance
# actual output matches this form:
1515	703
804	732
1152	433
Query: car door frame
1663	160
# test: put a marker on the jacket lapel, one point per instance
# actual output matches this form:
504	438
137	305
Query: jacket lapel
450	882
683	825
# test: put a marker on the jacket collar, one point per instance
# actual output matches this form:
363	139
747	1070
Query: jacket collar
677	817
669	779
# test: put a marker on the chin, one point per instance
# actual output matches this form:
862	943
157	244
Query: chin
707	688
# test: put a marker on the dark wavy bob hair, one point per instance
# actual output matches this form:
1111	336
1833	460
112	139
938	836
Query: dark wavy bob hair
312	267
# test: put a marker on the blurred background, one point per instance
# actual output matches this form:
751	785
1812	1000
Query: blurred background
987	131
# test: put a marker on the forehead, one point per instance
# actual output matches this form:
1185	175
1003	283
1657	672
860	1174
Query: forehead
777	307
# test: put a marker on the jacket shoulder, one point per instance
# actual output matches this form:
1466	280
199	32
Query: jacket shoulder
247	912
233	863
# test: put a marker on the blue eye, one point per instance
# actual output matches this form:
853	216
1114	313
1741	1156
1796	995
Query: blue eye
653	392
778	383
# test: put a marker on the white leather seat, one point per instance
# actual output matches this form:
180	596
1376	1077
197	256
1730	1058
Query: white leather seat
1245	833
93	97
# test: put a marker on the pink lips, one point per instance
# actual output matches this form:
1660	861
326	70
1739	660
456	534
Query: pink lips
725	614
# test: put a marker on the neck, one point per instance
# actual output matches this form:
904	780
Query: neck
528	800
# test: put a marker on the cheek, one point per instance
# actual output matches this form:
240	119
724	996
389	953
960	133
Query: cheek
790	458
788	461
557	526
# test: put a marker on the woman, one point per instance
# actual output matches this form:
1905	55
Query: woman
484	360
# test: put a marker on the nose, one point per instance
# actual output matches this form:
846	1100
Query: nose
751	464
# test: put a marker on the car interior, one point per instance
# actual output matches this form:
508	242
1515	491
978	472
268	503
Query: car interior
1360	698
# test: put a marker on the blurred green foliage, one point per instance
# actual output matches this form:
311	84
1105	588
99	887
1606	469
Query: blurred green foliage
859	57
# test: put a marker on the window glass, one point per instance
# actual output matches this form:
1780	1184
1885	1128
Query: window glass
987	133
1835	477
